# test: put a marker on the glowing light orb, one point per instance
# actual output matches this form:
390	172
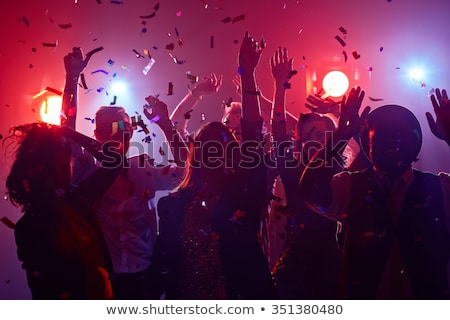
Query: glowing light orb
50	111
118	87
416	75
335	83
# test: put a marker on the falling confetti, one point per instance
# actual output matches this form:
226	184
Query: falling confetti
48	44
356	55
148	66
114	101
170	89
170	46
55	91
193	79
342	29
90	53
178	13
100	70
375	99
83	81
339	39
25	20
238	18
65	26
211	42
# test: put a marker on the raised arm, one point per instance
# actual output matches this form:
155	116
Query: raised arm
74	64
282	69
158	112
249	57
205	87
441	105
316	178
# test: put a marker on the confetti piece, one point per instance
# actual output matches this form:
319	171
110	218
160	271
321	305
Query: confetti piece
156	7
138	55
240	70
153	14
8	223
342	29
211	42
144	30
178	13
227	19
100	70
114	101
235	41
57	92
180	42
170	46
355	54
238	18
90	119
99	1
47	44
193	79
90	53
65	26
187	115
147	139
370	69
161	152
170	90
342	42
110	63
155	119
345	55
381	49
83	81
25	20
202	118
176	60
375	99
148	66
116	2
176	32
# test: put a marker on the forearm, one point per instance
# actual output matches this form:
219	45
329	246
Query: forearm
278	115
180	116
250	97
176	142
70	102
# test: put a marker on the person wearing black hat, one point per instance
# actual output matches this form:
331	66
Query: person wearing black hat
395	241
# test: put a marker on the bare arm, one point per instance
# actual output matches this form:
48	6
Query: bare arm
180	116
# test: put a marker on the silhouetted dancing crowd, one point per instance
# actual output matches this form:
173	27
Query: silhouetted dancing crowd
262	205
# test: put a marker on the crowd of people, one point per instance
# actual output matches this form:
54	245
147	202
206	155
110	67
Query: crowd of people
263	205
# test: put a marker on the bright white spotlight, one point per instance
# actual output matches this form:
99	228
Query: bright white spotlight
416	75
51	110
335	83
118	87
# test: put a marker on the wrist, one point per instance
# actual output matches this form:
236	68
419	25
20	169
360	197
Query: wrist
196	96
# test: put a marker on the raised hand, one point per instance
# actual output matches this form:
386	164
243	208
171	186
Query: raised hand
319	105
74	62
156	110
208	85
249	54
441	105
350	121
281	66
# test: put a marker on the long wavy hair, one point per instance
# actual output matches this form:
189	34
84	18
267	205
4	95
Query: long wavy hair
211	131
38	145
